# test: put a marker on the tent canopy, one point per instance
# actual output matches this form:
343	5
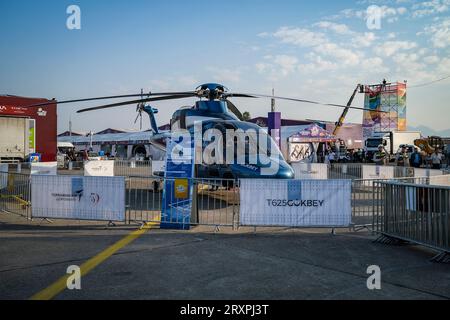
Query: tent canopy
313	134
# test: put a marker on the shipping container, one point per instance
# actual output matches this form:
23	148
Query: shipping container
25	130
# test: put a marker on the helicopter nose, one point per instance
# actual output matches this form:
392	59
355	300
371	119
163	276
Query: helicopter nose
286	172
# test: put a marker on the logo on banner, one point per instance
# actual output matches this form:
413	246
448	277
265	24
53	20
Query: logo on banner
181	189
294	190
77	188
41	112
95	198
2	108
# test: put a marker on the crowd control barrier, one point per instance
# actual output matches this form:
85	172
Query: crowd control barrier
414	213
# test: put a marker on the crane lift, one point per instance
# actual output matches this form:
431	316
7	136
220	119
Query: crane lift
341	120
340	145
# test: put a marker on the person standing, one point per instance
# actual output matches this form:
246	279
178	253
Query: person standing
380	157
436	159
402	157
331	156
416	159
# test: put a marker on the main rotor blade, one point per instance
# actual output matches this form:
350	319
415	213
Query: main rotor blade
245	95
237	95
137	118
235	110
110	97
126	103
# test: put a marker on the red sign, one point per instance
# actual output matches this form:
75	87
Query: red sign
14	110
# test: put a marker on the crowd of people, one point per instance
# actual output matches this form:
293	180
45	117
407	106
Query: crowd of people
415	159
404	158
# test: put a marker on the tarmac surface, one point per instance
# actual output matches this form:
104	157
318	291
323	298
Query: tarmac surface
201	264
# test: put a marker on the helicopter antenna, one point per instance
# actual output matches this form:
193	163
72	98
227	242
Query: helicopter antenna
273	100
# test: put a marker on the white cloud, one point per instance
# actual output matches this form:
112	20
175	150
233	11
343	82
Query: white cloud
431	59
224	75
299	36
363	40
390	48
374	65
338	28
340	54
439	33
430	7
385	11
318	64
391	35
288	64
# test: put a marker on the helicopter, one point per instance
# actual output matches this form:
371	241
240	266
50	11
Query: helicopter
214	111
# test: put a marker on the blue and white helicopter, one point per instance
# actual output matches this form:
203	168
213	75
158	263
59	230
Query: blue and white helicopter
215	111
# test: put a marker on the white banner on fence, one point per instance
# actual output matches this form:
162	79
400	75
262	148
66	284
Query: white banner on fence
419	173
99	168
82	198
3	175
440	180
44	168
378	172
314	171
295	203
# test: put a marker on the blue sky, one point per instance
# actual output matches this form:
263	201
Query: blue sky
310	49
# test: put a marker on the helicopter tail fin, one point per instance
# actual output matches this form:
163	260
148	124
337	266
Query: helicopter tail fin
151	113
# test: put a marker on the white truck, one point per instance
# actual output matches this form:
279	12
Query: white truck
392	141
14	139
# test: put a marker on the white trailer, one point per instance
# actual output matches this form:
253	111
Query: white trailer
391	141
13	139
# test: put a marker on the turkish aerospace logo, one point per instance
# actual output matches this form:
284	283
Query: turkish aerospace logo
94	198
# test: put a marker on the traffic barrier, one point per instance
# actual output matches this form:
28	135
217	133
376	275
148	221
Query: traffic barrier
100	168
216	201
440	180
80	198
312	171
365	200
15	193
414	213
133	168
295	203
4	178
44	168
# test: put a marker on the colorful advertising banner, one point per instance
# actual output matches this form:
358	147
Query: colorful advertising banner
389	98
178	186
295	203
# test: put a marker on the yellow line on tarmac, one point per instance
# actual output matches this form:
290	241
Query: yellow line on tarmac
59	286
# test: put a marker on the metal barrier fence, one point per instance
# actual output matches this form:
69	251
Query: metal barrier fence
365	201
216	202
355	171
414	213
131	168
15	193
134	168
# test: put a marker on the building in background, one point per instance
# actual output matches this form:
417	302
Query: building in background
27	130
389	98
